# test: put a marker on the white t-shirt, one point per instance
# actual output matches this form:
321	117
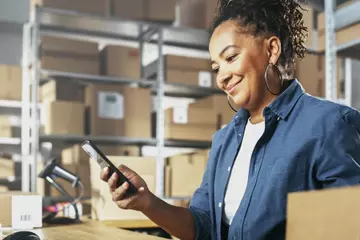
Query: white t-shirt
240	171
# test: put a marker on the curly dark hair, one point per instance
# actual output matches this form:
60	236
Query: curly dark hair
282	18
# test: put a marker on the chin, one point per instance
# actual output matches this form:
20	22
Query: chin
240	100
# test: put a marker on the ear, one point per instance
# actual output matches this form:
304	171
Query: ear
274	49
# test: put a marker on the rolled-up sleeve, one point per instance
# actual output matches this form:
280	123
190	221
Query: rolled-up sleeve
338	163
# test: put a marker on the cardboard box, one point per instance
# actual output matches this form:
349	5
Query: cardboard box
64	117
62	91
184	173
187	70
192	13
8	127
7	168
310	72
324	214
103	208
308	18
121	61
115	110
11	82
219	106
97	7
16	213
133	10
70	55
188	124
150	10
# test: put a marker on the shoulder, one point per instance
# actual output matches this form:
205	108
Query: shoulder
328	113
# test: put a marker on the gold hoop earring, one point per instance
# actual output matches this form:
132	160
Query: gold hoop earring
228	100
279	75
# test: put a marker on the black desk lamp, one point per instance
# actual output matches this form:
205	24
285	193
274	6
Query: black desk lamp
52	171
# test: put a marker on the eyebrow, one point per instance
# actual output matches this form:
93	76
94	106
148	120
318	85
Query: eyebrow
224	50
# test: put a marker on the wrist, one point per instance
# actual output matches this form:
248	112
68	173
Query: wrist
150	203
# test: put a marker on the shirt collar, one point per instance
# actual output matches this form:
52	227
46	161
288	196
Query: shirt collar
281	106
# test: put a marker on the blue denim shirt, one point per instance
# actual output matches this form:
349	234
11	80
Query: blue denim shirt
308	143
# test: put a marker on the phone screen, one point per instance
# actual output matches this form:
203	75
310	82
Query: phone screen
94	155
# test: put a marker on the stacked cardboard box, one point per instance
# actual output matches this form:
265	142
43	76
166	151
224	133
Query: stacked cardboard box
103	208
65	90
10	79
98	7
149	10
69	55
343	35
7	168
310	71
184	173
8	127
219	105
64	117
189	123
121	61
196	13
115	110
186	70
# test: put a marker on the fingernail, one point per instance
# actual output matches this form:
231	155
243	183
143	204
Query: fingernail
114	176
126	185
141	189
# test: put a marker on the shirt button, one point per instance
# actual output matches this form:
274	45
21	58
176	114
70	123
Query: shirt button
229	168
278	118
239	134
236	117
220	204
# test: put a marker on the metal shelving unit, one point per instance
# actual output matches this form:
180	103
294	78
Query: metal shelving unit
335	20
60	23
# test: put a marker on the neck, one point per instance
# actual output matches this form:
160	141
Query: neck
256	114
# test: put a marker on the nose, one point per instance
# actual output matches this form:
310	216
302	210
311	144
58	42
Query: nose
224	77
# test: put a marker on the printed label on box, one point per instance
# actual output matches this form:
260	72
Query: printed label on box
111	105
205	79
180	115
23	216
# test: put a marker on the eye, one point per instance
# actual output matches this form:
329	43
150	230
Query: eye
230	58
215	70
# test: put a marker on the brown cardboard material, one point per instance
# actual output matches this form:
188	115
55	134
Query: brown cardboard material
325	214
194	116
210	13
308	18
196	132
103	208
121	61
64	117
7	168
192	13
135	108
61	91
7	129
97	7
186	173
220	109
63	45
190	77
70	63
11	82
133	10
160	10
13	211
188	63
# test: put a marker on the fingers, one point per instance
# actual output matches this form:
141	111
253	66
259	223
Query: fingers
119	193
126	171
112	182
104	174
128	203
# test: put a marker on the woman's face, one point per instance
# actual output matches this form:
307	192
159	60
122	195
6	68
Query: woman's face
240	59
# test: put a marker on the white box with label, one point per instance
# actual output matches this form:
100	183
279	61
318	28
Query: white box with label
20	210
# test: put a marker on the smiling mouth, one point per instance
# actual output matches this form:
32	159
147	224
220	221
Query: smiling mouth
230	88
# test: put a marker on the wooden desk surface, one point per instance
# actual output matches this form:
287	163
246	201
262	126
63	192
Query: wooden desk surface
88	230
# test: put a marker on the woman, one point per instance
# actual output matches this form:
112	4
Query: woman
281	140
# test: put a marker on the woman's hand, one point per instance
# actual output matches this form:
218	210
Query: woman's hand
140	201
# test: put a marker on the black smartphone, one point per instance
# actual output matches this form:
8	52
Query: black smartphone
95	153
